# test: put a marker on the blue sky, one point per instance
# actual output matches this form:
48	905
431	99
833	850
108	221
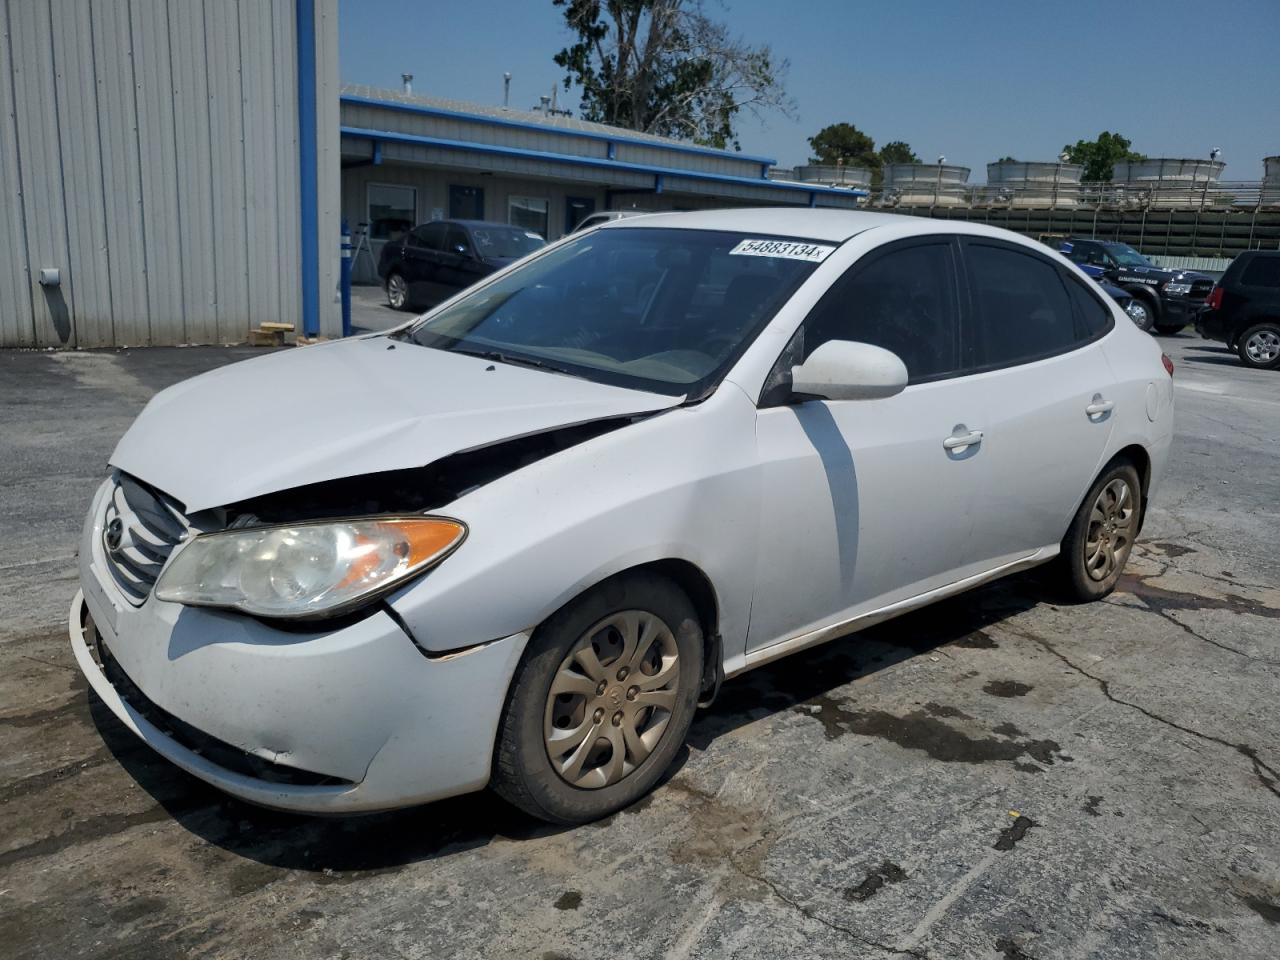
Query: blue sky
973	81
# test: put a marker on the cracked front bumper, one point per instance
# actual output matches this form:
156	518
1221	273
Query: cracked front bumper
351	719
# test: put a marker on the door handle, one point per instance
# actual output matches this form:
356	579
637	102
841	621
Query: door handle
1099	406
970	439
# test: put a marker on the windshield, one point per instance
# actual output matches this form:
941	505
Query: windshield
1126	256
655	309
505	242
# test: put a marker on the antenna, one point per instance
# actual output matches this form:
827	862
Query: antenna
506	90
1215	153
407	80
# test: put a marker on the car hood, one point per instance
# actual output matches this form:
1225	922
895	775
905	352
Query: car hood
345	409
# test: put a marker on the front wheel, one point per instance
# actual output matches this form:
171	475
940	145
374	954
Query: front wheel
1100	538
1259	346
602	701
1141	313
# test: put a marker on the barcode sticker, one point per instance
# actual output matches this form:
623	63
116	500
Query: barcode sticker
786	249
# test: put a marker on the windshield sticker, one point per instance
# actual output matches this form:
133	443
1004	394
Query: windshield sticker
786	249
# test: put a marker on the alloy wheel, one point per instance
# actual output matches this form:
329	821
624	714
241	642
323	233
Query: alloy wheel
1110	536
397	291
611	699
1263	347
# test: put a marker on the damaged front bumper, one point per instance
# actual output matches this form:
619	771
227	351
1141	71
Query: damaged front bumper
344	719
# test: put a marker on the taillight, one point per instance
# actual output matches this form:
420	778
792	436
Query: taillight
1214	300
1168	364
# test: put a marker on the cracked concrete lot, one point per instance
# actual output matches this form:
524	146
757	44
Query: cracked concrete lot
1000	776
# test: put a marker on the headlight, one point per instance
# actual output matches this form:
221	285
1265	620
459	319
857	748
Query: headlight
1177	289
305	570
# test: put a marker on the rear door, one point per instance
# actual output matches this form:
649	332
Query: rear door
869	502
1033	339
422	252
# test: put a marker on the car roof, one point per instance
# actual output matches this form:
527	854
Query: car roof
808	223
478	223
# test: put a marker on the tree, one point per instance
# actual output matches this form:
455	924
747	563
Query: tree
665	67
895	151
843	144
1007	159
1100	155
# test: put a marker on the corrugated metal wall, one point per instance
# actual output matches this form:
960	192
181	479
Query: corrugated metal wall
149	151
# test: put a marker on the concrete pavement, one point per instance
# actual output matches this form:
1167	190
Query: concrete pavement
1000	776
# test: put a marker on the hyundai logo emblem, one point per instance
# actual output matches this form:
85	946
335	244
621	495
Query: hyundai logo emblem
113	536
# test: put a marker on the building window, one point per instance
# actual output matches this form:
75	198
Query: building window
466	203
529	213
393	211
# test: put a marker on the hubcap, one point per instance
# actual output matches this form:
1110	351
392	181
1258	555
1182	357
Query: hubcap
1110	537
611	699
396	291
1263	346
1137	312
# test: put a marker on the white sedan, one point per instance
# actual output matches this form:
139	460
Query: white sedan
517	541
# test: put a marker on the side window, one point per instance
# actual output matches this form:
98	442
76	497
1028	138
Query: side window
457	241
903	300
1092	317
429	236
1021	310
1262	272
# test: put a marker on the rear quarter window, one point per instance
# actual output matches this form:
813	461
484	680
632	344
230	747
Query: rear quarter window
1262	272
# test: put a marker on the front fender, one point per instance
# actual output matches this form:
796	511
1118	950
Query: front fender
680	485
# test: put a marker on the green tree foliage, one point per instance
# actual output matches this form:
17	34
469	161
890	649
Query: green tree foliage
895	151
1100	155
665	67
843	144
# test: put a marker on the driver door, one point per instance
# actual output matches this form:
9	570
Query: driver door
865	503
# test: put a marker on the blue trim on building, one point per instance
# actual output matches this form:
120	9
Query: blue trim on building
610	139
387	136
308	188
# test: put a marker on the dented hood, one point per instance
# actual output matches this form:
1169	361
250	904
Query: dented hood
346	409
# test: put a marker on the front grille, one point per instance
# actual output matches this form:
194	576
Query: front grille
211	748
1200	289
139	531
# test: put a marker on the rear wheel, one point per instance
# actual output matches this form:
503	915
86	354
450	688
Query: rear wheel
602	701
1259	346
1168	329
1100	538
397	292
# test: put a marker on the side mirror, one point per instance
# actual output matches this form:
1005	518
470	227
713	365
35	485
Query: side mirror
847	370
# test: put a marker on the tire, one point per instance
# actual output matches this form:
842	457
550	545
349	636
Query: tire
1093	555
588	782
1169	329
1142	313
397	291
1259	346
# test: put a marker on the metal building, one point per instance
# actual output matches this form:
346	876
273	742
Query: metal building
407	159
168	171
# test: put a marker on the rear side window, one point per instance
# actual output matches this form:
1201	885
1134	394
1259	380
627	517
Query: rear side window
903	300
1092	318
429	236
1262	272
1021	309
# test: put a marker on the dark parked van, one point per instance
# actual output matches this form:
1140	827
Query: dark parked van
434	261
1243	309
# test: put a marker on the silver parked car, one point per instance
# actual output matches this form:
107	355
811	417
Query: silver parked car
527	533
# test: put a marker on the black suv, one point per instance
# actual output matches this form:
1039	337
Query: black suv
434	261
1243	309
1166	300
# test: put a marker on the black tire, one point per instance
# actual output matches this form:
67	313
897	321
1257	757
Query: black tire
1259	346
1169	329
1143	313
397	290
524	774
1082	539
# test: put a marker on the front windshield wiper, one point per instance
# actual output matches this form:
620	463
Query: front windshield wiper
515	361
